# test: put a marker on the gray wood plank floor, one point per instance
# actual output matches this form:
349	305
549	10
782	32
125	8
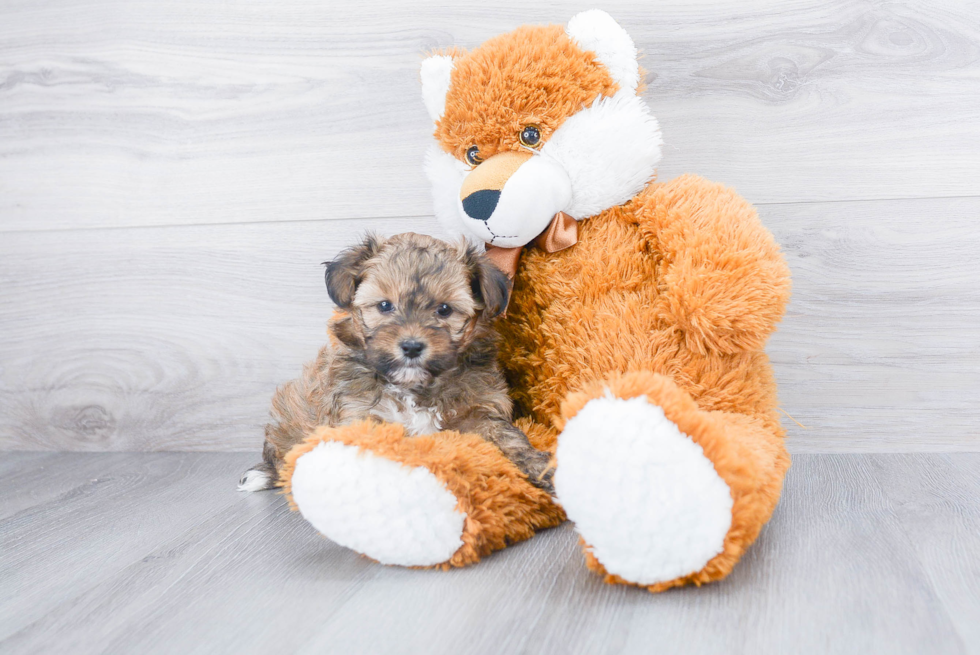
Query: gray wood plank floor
156	552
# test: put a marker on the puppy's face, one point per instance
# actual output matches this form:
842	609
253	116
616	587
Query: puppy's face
415	304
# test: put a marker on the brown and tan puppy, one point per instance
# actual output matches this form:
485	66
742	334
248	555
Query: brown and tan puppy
413	345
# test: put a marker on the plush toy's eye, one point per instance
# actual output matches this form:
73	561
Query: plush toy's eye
444	310
473	156
385	306
531	136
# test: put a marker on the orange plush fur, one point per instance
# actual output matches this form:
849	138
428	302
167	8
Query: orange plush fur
531	76
678	290
670	296
501	507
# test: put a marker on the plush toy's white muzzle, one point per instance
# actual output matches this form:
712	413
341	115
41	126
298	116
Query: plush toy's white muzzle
510	210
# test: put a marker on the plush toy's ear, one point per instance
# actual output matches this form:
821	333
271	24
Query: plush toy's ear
596	31
436	73
344	272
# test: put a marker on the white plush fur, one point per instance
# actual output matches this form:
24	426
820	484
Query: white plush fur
392	513
538	190
596	31
609	151
446	174
640	492
436	73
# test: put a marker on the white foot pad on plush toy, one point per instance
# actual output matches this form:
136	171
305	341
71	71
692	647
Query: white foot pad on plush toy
640	492
392	513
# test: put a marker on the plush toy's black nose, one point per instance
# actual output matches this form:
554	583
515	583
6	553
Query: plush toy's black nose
480	204
412	348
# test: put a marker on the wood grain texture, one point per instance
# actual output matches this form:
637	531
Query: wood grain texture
880	348
36	478
138	112
865	554
175	338
75	540
160	338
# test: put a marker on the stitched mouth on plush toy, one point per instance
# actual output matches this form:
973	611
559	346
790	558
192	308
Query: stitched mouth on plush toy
494	236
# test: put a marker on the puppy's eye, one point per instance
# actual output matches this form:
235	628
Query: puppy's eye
385	306
444	310
473	156
530	136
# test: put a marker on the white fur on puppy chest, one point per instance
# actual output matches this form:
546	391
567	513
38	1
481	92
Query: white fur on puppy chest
390	512
641	493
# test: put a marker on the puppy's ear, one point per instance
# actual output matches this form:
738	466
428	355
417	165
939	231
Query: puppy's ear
490	285
344	272
346	331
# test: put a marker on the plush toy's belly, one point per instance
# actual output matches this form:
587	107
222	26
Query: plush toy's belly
591	311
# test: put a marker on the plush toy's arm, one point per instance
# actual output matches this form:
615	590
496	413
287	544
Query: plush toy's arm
514	444
722	277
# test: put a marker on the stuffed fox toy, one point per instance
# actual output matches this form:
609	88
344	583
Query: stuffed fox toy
633	341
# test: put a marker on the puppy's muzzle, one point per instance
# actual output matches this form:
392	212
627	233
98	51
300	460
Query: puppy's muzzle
412	348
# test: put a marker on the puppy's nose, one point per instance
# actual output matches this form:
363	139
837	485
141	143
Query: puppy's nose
412	348
480	204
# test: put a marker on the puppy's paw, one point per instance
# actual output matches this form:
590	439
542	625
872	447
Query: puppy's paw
541	472
258	478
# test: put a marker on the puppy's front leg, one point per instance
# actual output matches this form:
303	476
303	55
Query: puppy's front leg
514	445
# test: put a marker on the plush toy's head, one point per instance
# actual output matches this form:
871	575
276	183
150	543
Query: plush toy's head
535	122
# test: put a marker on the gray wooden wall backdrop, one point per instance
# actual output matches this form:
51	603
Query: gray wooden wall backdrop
173	172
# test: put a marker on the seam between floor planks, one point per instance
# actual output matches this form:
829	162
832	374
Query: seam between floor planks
423	217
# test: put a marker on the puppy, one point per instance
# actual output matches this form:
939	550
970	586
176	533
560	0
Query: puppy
414	346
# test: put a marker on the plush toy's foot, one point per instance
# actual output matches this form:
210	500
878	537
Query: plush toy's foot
662	493
641	493
439	500
392	513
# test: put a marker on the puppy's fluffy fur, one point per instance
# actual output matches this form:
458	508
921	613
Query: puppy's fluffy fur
413	345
